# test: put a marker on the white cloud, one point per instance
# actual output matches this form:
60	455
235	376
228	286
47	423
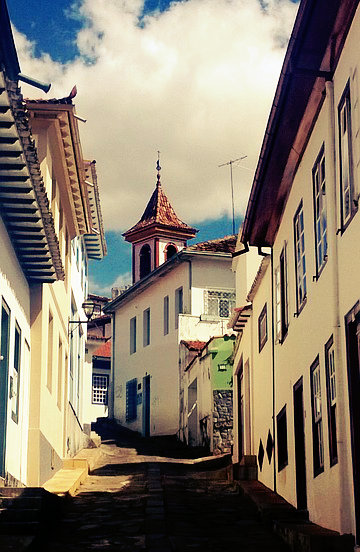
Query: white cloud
102	289
196	82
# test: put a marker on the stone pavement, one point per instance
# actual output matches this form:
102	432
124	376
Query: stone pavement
138	501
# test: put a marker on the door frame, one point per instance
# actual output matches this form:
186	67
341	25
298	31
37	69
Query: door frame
4	392
299	445
352	321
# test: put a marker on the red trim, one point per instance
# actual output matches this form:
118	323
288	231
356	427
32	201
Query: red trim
156	252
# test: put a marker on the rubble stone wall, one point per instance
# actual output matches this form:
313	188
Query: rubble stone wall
222	421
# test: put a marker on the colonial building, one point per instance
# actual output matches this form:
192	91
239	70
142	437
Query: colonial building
188	294
296	371
50	226
206	412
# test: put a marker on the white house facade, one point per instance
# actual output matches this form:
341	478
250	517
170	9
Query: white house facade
297	362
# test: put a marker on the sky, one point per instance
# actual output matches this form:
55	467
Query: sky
194	79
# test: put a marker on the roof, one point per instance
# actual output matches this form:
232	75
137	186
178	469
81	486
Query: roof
313	52
185	254
103	350
159	214
258	278
218	245
194	345
8	56
25	207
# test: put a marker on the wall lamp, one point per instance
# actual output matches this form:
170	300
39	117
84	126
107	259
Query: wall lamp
90	309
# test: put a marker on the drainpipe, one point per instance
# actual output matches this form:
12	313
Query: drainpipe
112	369
273	362
333	225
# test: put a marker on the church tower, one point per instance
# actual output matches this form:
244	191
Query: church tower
158	235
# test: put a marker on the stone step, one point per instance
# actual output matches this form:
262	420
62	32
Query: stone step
17	514
20	528
16	543
21	502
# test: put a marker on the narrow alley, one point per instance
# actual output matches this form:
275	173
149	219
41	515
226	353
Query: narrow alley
135	500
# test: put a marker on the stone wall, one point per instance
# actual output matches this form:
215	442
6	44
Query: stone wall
222	421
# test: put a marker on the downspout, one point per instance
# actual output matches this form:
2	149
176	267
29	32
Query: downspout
334	224
112	369
273	362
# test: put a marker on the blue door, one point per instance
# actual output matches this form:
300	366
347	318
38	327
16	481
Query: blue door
4	378
146	406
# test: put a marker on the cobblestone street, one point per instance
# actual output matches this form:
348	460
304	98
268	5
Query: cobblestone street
134	501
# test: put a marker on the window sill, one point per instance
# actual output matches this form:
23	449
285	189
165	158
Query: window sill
300	309
347	223
320	271
318	471
211	318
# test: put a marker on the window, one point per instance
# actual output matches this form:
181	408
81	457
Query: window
318	443
178	305
218	303
146	327
60	373
100	385
300	264
281	297
348	206
50	352
166	315
320	221
281	430
145	260
131	396
262	327
331	398
133	335
15	378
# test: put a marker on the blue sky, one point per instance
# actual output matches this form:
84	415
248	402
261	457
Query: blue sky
193	78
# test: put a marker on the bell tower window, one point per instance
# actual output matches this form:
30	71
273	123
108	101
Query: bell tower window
145	260
171	250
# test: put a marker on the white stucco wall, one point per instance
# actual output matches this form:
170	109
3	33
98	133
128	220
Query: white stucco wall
14	291
160	358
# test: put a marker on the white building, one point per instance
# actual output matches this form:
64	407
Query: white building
187	296
296	372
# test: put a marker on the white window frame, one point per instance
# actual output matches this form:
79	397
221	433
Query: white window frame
100	388
179	305
300	259
320	214
281	297
348	206
318	435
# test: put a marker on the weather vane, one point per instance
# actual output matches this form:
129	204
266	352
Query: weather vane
158	168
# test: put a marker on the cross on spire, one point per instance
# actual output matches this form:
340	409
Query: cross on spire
158	168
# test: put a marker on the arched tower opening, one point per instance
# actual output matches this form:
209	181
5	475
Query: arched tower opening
145	260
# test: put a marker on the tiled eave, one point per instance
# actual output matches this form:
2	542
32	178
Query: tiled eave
239	318
95	242
72	157
24	204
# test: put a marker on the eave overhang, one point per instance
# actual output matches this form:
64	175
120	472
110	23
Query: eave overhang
161	230
95	241
313	52
239	318
63	114
24	204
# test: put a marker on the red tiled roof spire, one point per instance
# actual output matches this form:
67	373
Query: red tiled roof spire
159	216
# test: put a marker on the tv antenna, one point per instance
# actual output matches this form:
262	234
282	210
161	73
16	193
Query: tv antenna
231	162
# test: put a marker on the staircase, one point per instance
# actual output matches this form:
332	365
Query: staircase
26	516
